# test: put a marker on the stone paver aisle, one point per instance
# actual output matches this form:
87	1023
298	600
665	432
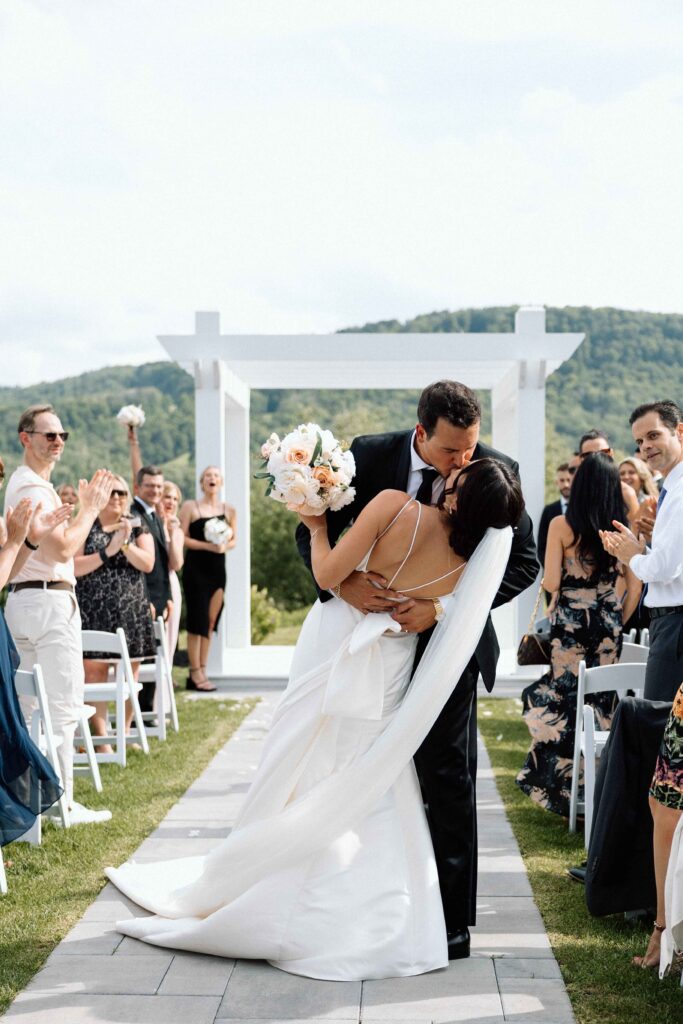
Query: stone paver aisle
97	975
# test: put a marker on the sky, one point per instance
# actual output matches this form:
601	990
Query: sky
307	165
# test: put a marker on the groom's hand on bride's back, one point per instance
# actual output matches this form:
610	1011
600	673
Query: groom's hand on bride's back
415	615
363	595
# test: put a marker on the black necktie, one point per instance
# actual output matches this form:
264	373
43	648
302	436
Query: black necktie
424	494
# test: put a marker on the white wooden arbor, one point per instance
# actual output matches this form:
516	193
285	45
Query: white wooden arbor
513	366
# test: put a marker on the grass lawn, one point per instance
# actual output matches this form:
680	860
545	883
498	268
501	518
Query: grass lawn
51	886
287	632
594	954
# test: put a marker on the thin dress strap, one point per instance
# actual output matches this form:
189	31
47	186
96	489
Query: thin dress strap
406	590
364	564
412	543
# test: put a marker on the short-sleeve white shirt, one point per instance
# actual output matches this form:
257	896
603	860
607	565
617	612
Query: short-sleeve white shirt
25	483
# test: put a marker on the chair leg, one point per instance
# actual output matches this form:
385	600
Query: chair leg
588	772
3	876
90	753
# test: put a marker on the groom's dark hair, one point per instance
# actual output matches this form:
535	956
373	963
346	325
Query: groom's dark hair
449	400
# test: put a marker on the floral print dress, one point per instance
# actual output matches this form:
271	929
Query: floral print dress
667	782
586	626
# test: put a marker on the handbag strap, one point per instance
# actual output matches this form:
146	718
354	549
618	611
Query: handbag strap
530	628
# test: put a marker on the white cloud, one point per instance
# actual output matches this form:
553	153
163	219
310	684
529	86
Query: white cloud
305	166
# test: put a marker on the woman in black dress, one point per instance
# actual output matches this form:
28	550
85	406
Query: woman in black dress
204	571
111	591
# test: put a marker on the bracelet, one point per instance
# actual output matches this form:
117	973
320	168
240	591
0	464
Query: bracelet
316	531
124	547
104	556
337	590
31	547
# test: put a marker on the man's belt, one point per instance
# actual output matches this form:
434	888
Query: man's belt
41	585
656	613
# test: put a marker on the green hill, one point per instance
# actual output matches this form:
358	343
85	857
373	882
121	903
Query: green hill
627	357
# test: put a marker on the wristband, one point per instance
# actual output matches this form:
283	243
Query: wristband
31	547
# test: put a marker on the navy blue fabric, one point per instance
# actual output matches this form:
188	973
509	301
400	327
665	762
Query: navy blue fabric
28	785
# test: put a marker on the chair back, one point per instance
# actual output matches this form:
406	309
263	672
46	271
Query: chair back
97	640
645	637
609	678
633	654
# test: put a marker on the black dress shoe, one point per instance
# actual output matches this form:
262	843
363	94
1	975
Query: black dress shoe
578	873
459	944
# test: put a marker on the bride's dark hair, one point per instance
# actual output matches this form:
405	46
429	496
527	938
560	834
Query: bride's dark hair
488	494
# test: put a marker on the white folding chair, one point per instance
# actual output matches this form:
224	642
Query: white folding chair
159	673
588	741
30	685
83	736
123	688
630	637
3	876
633	654
645	637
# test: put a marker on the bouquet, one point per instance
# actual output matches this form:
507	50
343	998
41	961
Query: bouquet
217	531
131	416
309	471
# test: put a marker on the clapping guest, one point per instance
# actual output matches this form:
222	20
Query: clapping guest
590	598
110	568
204	573
597	441
657	429
167	513
28	783
170	502
68	494
635	473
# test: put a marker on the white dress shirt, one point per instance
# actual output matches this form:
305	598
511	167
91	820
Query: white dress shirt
661	567
415	476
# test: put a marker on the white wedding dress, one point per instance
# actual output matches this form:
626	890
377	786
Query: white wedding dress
329	871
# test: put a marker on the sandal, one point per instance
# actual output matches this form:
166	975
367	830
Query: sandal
200	685
650	961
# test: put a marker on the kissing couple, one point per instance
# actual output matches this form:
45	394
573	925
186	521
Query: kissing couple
354	855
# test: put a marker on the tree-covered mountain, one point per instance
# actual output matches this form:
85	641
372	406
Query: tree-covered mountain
627	358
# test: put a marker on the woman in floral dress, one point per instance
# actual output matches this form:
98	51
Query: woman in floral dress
591	600
666	804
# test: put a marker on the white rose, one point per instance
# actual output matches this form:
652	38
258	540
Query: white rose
131	416
339	497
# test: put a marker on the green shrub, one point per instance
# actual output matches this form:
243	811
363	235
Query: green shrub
265	617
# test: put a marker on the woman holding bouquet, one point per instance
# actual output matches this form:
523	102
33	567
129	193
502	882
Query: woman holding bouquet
209	526
329	871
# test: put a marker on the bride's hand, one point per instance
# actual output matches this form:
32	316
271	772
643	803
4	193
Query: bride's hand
313	522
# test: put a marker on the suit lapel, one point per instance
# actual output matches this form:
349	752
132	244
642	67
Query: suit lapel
402	465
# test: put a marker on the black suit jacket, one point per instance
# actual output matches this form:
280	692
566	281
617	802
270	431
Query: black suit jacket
158	583
547	515
382	462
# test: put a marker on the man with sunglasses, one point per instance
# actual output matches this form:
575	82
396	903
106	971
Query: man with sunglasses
42	611
597	441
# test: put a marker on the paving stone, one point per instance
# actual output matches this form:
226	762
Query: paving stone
91	938
509	926
465	991
258	990
112	905
102	974
493	884
527	968
191	974
136	947
29	1008
529	998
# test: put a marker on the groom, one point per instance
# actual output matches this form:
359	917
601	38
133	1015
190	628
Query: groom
418	461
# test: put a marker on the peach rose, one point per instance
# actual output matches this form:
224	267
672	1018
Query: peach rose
299	455
324	476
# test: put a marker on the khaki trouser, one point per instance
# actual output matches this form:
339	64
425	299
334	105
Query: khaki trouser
46	627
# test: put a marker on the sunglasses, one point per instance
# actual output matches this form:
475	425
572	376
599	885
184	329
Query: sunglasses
50	435
600	451
118	494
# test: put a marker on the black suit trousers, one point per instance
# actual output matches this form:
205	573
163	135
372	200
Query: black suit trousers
447	768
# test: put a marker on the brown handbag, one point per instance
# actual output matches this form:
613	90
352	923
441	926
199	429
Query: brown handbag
534	648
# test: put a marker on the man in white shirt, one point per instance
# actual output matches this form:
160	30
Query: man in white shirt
658	431
42	612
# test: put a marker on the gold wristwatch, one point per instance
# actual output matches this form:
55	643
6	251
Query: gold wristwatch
438	609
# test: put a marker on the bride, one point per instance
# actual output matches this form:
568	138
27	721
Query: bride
329	871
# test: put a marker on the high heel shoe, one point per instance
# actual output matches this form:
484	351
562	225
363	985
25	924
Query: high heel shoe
204	686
